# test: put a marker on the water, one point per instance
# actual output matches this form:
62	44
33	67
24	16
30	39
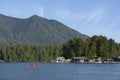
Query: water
22	71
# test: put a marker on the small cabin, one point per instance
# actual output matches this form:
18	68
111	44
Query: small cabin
60	60
116	59
98	60
78	59
91	60
67	60
108	61
1	61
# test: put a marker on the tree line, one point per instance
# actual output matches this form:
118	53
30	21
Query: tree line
96	46
29	53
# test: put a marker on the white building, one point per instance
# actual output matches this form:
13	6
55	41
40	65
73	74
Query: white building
60	59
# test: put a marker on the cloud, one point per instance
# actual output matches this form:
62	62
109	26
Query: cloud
109	29
66	15
95	16
88	17
92	22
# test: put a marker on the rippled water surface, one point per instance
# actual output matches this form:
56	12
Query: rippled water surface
45	71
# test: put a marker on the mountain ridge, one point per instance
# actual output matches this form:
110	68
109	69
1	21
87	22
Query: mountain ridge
35	30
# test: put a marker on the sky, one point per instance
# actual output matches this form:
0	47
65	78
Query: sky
90	17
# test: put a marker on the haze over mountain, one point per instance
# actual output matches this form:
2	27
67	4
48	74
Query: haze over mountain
34	31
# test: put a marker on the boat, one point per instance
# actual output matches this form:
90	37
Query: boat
34	65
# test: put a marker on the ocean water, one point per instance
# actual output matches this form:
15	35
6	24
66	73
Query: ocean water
46	71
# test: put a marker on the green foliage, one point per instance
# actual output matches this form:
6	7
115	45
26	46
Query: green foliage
73	48
96	46
29	53
35	33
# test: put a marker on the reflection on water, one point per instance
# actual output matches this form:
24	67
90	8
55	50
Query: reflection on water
40	71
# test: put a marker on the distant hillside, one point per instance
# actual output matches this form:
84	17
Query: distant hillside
34	31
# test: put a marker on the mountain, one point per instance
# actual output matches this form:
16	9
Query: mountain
34	30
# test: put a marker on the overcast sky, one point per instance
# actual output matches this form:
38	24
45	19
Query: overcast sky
90	17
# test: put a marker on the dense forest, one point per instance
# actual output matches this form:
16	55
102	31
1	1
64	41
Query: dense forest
29	53
96	46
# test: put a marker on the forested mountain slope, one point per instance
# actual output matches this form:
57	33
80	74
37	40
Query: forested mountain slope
34	31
